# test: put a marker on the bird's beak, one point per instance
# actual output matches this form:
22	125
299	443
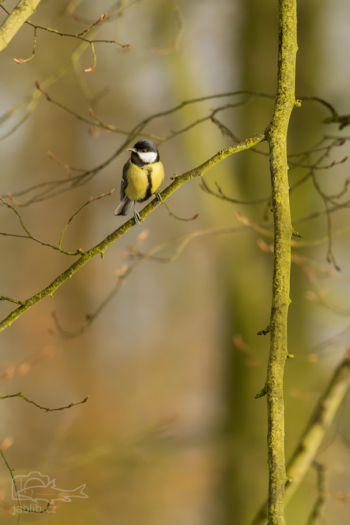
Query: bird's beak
132	149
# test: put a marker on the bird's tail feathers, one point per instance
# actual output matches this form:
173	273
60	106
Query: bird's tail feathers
124	206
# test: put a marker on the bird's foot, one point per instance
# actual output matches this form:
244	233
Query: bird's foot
158	197
137	217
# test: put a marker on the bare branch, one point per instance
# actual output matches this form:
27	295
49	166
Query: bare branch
15	20
321	489
100	248
58	248
92	199
220	195
314	434
21	60
19	394
56	32
96	122
90	318
172	214
4	298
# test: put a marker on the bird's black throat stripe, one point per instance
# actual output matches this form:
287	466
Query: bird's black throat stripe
149	187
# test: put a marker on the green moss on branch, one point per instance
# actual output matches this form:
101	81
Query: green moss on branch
15	20
277	138
100	248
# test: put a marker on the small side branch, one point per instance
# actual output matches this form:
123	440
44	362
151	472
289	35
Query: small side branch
58	248
220	195
19	394
10	300
172	214
22	60
264	332
19	508
261	393
92	199
27	7
321	489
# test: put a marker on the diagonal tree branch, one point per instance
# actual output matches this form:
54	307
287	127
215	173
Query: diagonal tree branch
15	20
314	433
100	248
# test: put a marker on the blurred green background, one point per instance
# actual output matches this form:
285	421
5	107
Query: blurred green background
171	433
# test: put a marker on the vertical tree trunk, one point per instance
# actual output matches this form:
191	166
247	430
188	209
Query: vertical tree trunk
277	137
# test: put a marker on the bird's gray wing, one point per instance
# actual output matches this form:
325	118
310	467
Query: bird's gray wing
124	181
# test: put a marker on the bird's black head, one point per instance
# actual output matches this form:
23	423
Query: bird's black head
144	152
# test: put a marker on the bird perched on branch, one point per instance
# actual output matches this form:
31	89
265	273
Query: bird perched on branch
143	175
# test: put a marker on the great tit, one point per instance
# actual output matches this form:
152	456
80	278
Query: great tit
143	175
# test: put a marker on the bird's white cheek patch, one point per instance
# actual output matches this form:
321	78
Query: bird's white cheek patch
148	156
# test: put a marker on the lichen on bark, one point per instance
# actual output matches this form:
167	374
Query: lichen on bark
277	138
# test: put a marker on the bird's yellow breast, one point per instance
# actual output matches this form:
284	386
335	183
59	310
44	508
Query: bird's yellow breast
137	180
142	182
157	176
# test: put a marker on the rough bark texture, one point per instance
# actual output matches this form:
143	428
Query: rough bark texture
15	20
277	137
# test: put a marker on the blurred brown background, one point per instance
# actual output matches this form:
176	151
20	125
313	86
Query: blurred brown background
171	433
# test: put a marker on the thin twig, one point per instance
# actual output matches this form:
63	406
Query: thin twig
28	235
172	214
95	123
21	60
19	394
78	35
19	507
321	490
92	199
220	195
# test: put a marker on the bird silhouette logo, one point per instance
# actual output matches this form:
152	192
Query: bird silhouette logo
38	487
